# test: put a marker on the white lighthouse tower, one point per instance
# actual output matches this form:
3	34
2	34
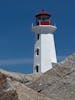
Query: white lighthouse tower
44	48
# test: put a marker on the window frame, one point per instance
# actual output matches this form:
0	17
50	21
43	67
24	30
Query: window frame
37	51
37	68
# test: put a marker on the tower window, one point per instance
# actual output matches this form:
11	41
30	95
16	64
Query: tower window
38	36
37	52
37	68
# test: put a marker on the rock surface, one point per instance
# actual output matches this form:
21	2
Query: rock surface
22	78
7	92
25	93
15	90
59	82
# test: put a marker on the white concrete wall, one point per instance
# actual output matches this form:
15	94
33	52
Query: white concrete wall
37	58
47	53
52	49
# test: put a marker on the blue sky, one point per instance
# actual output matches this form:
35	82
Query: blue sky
17	39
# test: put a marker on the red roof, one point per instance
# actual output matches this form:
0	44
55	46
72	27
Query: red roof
43	12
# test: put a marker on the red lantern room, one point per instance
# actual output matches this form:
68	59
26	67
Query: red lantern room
43	18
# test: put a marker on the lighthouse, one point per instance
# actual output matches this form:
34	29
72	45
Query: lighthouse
44	46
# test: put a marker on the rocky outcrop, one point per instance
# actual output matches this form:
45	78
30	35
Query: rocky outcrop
25	93
7	92
2	81
12	89
59	82
22	78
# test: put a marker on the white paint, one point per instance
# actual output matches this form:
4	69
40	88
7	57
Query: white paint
46	46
